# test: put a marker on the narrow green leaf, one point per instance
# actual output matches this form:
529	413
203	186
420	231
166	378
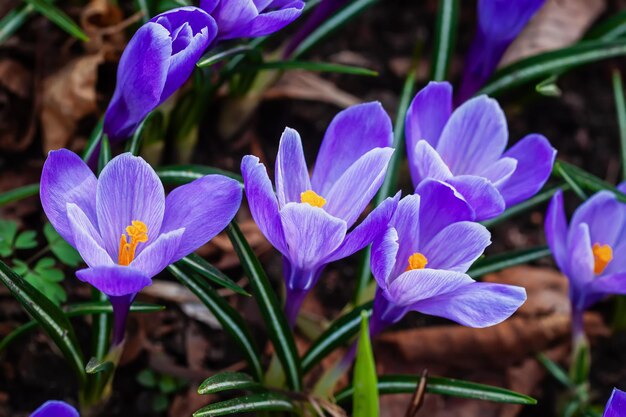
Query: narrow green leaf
220	56
226	381
19	193
95	366
339	333
183	174
204	268
105	153
610	29
541	66
134	144
501	261
344	16
585	180
229	317
313	66
365	397
14	20
59	17
445	37
406	384
50	317
555	370
565	175
94	140
279	332
620	109
251	403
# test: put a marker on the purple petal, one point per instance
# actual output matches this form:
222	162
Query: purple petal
67	179
269	22
351	134
422	284
128	189
622	187
535	157
232	16
442	205
86	238
474	137
618	263
603	286
500	171
428	114
116	280
141	77
478	304
353	191
318	16
311	234
159	254
481	194
555	227
262	201
203	208
384	253
425	162
616	406
581	262
457	246
368	230
55	409
292	175
604	215
209	5
407	223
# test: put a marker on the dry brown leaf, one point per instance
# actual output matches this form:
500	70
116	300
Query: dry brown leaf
68	96
559	23
103	22
301	85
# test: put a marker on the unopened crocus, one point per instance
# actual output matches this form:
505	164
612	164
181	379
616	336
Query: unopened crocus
588	251
499	23
251	18
420	264
157	61
616	406
308	218
466	149
124	227
55	409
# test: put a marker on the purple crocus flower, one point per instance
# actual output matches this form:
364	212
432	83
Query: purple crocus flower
499	23
122	224
307	219
251	18
616	406
157	61
420	263
55	409
465	148
584	251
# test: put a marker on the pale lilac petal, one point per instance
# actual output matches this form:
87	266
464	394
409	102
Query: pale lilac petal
115	280
311	234
128	189
292	175
500	171
354	190
604	215
616	406
580	263
368	230
618	263
428	114
425	162
475	305
535	157
159	254
422	284
351	134
407	223
474	137
457	246
605	285
86	238
555	227
622	187
262	201
203	208
481	194
384	253
55	409
67	179
269	22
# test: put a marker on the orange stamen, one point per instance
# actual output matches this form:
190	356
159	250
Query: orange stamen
602	256
138	233
312	198
417	261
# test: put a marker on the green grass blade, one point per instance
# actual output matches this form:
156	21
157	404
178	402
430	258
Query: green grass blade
220	56
249	404
365	398
502	261
59	17
620	109
313	66
94	140
445	37
610	29
583	180
204	268
14	20
226	381
183	174
19	193
273	315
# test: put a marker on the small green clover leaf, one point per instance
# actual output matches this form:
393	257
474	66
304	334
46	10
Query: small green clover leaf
44	277
61	249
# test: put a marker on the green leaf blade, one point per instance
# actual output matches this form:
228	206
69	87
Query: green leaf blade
365	397
59	17
248	404
445	36
226	381
204	268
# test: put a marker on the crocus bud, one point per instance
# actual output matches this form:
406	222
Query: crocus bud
159	58
251	18
55	409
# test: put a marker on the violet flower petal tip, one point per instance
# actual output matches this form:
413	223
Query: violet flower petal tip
616	406
55	408
115	280
428	114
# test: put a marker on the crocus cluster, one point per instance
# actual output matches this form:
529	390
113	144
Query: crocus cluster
421	260
466	149
499	23
124	227
587	251
162	54
616	406
55	409
308	218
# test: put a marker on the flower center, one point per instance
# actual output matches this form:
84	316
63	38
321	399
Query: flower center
312	198
416	261
602	255
137	233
